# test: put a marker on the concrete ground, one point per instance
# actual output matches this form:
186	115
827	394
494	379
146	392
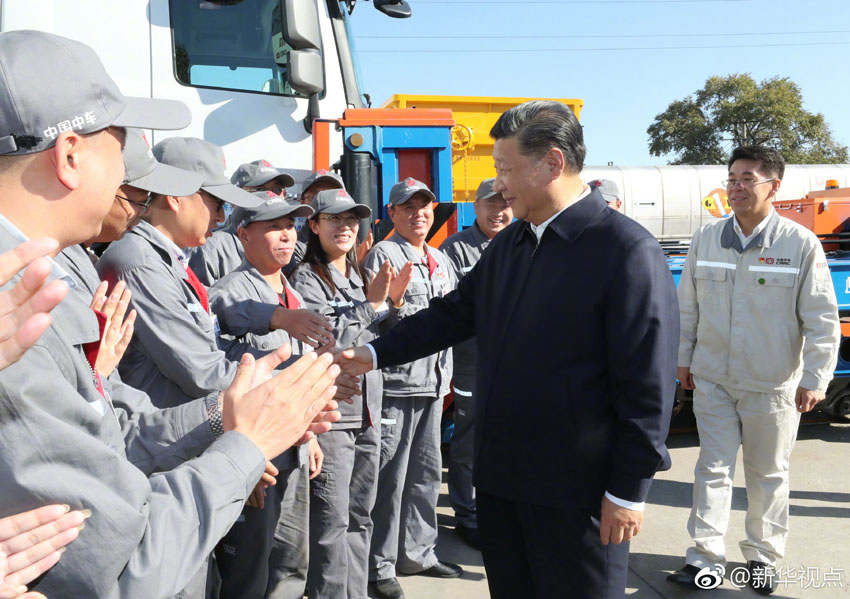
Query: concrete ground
818	548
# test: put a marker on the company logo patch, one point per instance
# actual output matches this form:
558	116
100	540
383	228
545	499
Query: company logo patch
266	163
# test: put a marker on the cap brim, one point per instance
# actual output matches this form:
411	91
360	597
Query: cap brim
168	180
151	113
288	180
288	210
333	180
359	210
492	194
233	195
426	192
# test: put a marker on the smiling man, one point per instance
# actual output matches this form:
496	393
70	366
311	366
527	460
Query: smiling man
405	513
760	335
492	214
574	313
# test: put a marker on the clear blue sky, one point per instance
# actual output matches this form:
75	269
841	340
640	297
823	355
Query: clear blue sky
623	86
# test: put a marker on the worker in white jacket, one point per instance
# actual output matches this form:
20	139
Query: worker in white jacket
759	341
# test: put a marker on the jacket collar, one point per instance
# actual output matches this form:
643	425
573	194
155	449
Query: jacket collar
407	247
572	221
79	262
73	317
478	236
159	242
729	239
352	281
264	290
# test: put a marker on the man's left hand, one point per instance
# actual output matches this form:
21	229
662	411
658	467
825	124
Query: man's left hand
618	524
806	399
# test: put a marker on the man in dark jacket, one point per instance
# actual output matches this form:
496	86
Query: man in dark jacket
574	313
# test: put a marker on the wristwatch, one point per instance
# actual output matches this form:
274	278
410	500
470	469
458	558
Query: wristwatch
214	413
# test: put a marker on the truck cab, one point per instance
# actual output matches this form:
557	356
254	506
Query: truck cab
254	73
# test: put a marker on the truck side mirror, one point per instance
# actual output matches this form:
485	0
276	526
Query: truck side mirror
397	9
297	45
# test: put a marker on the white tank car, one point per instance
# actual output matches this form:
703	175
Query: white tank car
674	201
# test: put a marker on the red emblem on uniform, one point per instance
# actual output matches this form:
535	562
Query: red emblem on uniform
321	172
411	183
266	163
769	260
271	194
341	193
761	260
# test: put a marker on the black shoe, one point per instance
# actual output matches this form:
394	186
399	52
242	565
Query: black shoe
442	570
687	576
386	588
470	536
762	577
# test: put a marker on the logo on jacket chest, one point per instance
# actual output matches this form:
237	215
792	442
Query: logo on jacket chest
775	261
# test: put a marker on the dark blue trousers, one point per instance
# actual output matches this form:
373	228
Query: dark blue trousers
539	552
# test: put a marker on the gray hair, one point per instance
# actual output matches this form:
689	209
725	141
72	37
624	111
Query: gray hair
541	125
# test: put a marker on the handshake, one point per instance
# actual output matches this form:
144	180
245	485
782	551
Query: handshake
279	409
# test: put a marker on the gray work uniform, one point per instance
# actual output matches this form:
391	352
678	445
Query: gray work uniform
405	513
265	554
219	256
62	442
343	494
174	354
155	440
463	249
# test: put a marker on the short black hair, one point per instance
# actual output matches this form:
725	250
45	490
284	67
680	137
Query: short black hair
770	161
541	125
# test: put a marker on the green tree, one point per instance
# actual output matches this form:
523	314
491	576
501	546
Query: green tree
736	110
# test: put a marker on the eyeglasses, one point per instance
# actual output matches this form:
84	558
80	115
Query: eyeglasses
145	206
745	183
342	221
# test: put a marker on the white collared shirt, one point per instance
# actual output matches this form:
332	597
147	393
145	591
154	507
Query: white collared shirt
541	228
758	229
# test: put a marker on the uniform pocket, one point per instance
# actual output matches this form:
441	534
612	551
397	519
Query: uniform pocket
711	285
771	290
390	430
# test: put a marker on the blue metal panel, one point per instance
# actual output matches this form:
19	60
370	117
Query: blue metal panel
840	271
383	143
465	215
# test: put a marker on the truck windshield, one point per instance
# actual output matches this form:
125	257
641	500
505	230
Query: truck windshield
227	44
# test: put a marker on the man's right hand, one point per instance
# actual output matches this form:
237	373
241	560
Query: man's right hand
683	373
308	327
24	309
379	286
355	361
290	407
31	543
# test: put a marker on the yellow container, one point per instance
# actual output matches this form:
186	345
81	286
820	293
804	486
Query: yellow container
472	146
